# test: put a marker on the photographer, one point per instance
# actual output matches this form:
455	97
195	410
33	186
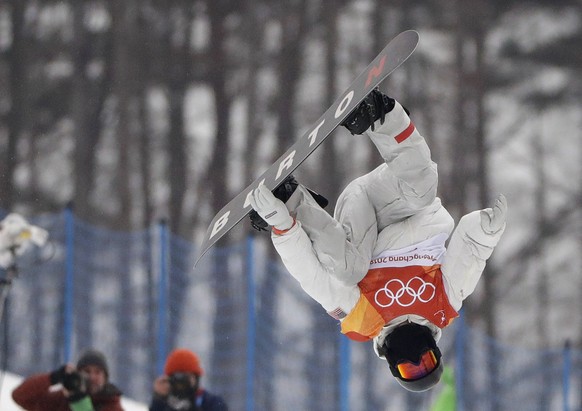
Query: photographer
84	388
179	388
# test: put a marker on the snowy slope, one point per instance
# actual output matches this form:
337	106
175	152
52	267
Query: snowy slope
10	381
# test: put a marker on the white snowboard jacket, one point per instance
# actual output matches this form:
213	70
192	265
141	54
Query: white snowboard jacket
391	208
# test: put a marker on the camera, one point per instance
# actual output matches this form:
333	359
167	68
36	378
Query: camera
180	384
76	382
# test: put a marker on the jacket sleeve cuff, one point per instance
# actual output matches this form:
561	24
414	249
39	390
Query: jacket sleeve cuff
395	122
275	233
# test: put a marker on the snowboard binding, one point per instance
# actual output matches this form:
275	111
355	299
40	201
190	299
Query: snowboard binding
374	106
283	192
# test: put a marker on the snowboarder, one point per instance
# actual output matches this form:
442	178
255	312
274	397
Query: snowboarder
380	265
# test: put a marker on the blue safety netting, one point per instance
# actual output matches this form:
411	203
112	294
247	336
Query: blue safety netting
264	344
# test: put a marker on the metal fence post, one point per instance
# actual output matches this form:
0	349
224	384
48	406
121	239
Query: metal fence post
69	282
567	358
460	337
162	297
344	372
251	319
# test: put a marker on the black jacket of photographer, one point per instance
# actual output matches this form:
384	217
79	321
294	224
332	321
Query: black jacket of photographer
203	401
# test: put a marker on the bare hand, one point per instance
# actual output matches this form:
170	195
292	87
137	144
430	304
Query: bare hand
162	385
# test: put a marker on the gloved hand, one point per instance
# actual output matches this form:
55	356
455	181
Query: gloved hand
58	375
270	208
76	385
493	219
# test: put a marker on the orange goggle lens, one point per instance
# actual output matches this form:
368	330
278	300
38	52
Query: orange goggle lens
411	371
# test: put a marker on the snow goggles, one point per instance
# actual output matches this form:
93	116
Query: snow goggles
409	370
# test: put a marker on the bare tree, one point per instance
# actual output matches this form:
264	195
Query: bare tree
218	11
16	58
179	51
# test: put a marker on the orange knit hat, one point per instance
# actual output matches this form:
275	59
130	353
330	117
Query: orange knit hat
182	360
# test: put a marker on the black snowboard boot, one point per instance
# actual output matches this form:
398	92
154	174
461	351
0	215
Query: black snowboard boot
283	192
375	106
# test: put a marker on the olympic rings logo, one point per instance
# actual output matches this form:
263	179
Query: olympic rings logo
405	294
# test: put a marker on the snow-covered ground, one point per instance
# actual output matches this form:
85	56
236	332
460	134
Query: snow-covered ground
9	381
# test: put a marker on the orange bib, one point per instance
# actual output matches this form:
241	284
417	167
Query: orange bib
393	288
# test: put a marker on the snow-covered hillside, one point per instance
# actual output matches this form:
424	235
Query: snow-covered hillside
9	381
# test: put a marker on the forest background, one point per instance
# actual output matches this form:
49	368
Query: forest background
137	111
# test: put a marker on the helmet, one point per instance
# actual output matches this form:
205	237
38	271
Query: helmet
413	357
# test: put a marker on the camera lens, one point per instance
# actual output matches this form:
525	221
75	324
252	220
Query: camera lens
180	384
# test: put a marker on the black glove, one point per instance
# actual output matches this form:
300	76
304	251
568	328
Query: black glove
76	385
58	375
375	106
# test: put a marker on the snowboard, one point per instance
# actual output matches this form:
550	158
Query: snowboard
390	58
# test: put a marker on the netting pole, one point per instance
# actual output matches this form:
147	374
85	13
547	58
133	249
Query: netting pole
460	337
252	324
344	372
567	355
69	282
162	297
